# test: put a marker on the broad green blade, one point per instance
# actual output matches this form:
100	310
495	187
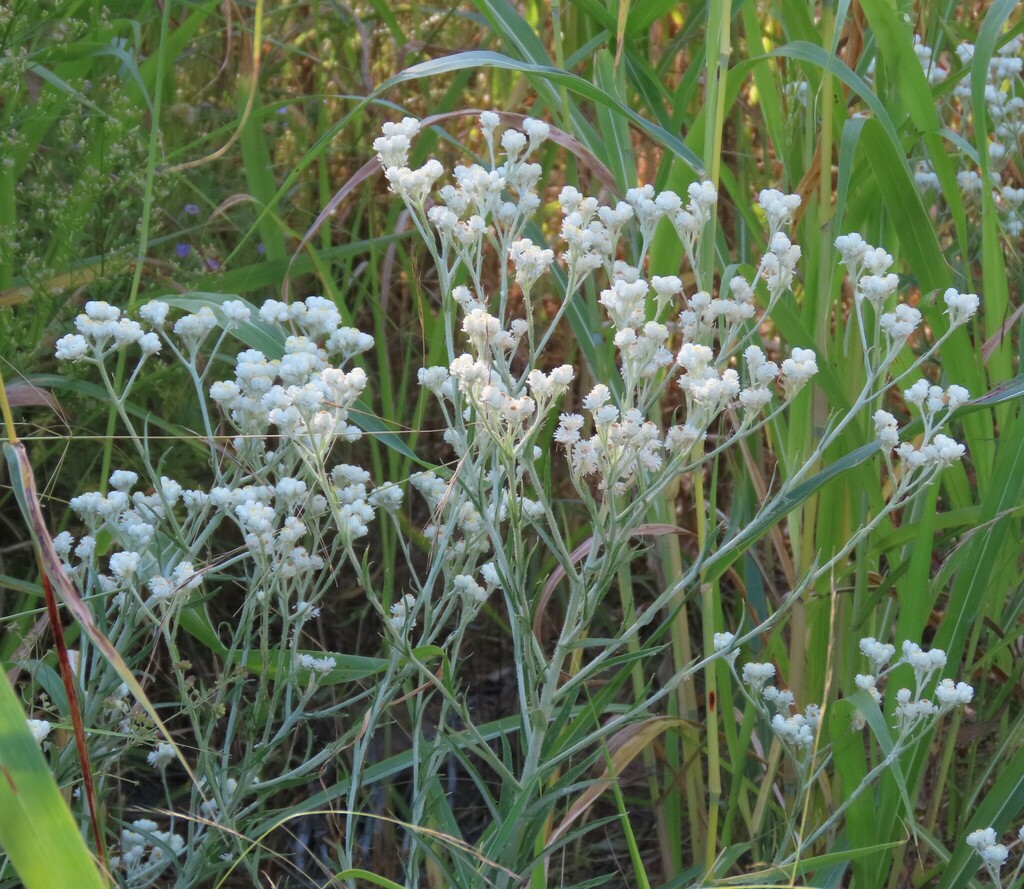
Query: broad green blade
37	830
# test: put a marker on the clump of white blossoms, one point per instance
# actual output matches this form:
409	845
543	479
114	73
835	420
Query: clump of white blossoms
993	854
683	374
1002	106
913	709
499	391
39	728
797	732
301	399
146	852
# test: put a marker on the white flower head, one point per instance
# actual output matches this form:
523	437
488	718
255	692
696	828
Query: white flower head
161	756
798	369
756	675
39	728
724	642
879	653
960	307
72	347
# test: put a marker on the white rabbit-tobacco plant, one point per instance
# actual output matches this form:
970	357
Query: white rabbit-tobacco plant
286	516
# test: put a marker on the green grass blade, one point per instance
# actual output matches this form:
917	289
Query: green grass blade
37	830
1001	806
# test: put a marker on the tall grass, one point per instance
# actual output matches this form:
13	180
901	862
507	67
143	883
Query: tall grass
188	152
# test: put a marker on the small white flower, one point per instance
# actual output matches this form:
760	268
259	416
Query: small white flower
946	451
489	122
798	369
72	347
124	565
39	728
155	312
951	695
123	480
62	543
756	675
956	396
886	429
597	398
723	642
161	756
782	700
961	307
537	130
467	586
795	731
235	310
878	653
489	573
982	838
401	618
568	431
387	497
150	344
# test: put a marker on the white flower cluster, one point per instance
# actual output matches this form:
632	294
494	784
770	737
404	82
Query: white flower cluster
778	208
482	205
960	307
402	619
39	728
993	854
724	642
282	500
102	330
146	852
935	404
796	731
133	520
316	665
1001	79
304	394
1004	106
460	526
756	675
868	268
161	756
622	448
913	709
662	334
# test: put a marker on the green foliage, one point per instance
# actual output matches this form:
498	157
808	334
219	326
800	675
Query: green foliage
187	152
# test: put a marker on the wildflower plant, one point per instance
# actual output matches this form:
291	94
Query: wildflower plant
286	515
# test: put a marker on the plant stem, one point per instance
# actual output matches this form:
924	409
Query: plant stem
719	47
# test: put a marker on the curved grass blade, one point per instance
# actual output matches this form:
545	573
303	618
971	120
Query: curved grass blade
23	481
91	390
781	506
1002	804
572	82
67	676
37	830
349	668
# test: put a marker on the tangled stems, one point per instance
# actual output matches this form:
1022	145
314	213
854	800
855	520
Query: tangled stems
300	517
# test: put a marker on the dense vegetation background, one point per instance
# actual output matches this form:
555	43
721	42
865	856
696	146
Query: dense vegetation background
194	149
